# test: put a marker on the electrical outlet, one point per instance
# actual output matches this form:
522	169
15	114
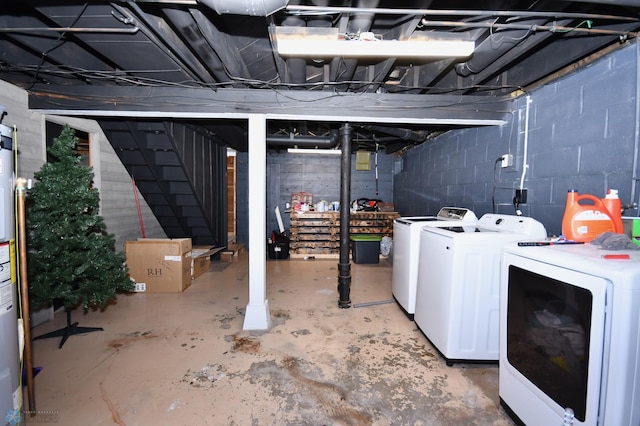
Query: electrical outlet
521	196
507	160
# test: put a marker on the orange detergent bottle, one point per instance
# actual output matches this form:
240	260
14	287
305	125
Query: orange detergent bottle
612	202
587	216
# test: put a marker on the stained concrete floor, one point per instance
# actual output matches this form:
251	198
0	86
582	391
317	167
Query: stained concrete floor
183	358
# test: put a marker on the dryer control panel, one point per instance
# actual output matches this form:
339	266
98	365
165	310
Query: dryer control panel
513	223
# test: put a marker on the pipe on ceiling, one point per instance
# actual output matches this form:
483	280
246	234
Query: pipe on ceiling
246	7
304	141
494	46
319	21
634	3
343	69
186	24
156	36
360	22
296	67
467	12
404	134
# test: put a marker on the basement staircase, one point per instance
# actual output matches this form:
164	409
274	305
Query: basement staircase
180	171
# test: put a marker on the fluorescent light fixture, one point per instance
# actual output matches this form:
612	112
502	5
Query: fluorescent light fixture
313	151
300	48
325	43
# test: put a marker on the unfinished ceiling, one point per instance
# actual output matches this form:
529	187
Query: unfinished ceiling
210	63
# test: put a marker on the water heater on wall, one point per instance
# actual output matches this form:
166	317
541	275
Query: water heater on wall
10	387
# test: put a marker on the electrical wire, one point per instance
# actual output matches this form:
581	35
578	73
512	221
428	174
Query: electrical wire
59	42
120	77
495	183
458	12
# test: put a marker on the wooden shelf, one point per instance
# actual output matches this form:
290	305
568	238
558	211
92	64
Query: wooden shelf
314	233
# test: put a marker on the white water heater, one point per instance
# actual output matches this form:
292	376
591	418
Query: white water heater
10	371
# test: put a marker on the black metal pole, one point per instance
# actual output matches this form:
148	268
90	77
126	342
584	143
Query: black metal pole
344	266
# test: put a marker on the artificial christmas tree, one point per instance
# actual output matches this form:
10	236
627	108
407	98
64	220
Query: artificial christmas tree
71	258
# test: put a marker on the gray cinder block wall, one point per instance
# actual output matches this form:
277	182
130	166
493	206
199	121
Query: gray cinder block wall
317	174
117	200
582	134
320	175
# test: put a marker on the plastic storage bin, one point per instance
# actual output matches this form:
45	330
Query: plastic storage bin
365	248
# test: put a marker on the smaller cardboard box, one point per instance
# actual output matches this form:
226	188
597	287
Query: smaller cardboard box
201	259
231	252
226	256
159	265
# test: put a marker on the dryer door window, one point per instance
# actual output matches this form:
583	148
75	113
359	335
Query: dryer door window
548	336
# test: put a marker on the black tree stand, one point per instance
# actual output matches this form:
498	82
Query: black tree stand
69	330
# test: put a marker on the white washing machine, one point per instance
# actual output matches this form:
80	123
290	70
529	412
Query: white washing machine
457	300
406	251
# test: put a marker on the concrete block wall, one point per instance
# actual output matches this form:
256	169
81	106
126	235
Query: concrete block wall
317	174
582	133
320	175
117	201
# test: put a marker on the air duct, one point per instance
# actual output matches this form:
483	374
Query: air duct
246	7
494	46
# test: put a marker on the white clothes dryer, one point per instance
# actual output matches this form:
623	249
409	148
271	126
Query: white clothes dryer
570	335
457	301
406	251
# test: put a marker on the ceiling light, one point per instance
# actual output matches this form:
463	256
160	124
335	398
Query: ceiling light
316	43
314	151
301	48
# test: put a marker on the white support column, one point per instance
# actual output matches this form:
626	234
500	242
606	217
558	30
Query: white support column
257	316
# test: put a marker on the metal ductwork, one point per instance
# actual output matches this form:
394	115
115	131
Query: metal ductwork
494	46
246	7
303	141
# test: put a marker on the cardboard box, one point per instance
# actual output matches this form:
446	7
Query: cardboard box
385	207
159	265
231	252
226	256
201	259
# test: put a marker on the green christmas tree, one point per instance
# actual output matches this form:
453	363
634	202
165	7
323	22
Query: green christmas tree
71	258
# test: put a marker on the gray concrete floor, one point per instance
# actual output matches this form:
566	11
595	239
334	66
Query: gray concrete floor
183	358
